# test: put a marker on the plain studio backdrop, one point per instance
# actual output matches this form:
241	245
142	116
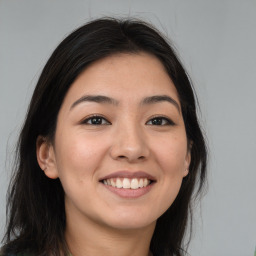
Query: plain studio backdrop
216	41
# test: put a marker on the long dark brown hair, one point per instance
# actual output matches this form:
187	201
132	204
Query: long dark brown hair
35	203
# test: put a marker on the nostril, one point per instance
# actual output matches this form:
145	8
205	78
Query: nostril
129	158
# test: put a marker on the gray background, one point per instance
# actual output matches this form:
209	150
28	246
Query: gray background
216	41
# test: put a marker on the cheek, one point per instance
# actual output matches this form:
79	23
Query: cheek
171	156
171	159
76	163
78	156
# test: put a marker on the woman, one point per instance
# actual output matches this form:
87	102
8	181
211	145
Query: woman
111	150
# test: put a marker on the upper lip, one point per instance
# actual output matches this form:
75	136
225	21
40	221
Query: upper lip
128	174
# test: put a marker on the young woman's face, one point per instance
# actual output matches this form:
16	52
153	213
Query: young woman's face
120	148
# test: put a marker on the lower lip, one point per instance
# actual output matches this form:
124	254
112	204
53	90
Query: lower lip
129	193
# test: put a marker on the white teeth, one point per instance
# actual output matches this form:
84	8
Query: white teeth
145	182
141	183
134	184
127	183
119	183
113	184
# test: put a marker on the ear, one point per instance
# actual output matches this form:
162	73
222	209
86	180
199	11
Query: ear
188	159
46	157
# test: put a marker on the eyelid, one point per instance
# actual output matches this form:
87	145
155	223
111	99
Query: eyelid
86	119
169	120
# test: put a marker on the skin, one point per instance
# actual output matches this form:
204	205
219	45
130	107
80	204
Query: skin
100	222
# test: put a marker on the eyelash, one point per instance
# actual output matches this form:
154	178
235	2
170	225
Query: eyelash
99	119
161	118
96	118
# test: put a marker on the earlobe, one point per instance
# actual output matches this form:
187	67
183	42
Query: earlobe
188	159
46	157
186	172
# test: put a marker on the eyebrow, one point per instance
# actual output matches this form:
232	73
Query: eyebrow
95	98
160	98
146	101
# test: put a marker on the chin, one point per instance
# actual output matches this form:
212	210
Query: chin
131	221
131	225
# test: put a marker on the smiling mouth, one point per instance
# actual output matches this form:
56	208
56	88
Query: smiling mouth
127	183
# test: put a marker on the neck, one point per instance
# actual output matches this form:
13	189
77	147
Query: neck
90	238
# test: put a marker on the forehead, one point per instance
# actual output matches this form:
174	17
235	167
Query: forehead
123	77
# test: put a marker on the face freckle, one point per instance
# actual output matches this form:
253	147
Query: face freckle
124	93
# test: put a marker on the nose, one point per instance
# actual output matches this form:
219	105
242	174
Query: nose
130	144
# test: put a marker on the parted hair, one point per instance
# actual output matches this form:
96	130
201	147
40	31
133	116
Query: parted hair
35	203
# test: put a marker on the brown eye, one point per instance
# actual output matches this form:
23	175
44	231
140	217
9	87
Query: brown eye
160	121
96	120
